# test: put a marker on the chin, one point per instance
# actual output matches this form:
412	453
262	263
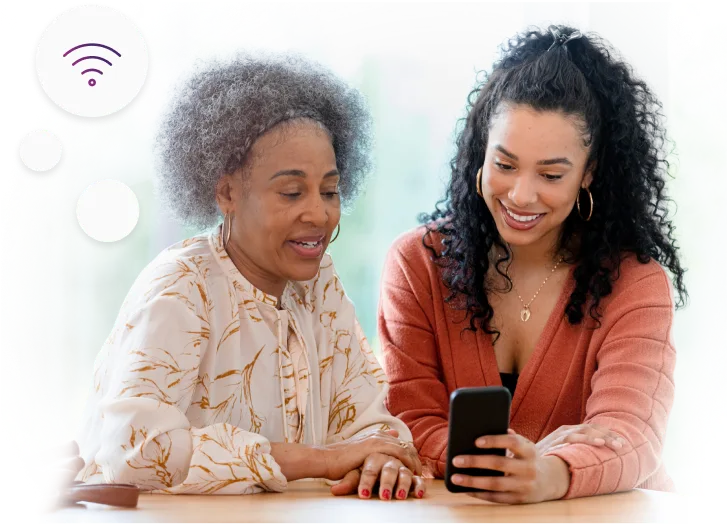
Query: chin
520	238
304	271
528	238
516	240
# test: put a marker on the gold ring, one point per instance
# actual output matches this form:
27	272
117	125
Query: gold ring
403	444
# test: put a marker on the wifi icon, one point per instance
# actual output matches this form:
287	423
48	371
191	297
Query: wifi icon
91	81
81	49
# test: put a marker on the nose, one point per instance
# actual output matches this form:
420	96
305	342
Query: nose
316	212
523	192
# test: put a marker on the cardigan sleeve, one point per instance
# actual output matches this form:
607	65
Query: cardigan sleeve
632	391
406	325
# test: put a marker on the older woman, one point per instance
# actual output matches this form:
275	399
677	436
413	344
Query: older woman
545	271
237	362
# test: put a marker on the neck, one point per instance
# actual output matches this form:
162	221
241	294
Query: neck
257	276
528	258
543	253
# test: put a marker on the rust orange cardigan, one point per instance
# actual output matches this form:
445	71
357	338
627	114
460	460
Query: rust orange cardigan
619	375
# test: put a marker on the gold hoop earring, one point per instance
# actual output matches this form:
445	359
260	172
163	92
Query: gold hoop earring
226	229
578	204
479	183
338	230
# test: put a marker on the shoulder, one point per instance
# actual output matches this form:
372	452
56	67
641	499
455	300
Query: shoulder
415	248
411	264
185	264
639	285
641	280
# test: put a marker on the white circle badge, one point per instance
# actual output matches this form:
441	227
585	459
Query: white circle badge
108	210
92	61
40	150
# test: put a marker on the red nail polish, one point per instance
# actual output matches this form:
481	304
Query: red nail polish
420	494
365	493
386	494
402	494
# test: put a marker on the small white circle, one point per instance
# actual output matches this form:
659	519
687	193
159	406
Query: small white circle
108	210
92	61
40	150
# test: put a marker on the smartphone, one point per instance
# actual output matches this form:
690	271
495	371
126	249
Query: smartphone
474	412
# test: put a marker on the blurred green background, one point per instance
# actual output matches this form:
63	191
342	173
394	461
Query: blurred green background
416	67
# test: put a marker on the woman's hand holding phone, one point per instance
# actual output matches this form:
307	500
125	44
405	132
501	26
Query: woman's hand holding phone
528	476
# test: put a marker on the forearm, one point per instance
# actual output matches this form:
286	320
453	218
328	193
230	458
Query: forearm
373	417
599	470
632	391
299	461
152	446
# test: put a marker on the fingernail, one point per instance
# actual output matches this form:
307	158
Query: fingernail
386	494
617	443
365	493
401	494
420	494
457	479
481	441
459	461
599	441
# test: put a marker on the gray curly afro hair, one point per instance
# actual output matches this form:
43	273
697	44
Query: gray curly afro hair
219	112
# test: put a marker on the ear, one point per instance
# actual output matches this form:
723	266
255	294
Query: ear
588	176
227	192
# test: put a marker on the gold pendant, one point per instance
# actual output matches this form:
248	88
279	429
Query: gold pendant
525	314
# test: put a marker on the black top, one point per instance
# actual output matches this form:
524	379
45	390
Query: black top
509	380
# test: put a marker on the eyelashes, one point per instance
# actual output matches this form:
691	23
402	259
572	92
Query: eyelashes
506	168
329	195
503	167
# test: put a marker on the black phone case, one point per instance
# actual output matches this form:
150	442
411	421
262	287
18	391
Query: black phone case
474	412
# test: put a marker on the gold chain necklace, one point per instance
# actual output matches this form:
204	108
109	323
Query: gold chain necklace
525	311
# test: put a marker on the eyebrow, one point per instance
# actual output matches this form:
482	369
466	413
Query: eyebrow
301	174
548	162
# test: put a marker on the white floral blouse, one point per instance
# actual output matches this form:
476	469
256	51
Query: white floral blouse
197	377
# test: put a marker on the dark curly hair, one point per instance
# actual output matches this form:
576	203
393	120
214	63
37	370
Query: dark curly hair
219	112
621	122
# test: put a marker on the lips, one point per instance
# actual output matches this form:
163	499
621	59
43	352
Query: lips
519	220
307	247
309	240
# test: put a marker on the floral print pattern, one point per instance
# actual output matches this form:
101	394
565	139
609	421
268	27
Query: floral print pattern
197	379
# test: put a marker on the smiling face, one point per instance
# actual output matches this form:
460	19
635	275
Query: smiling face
285	205
534	167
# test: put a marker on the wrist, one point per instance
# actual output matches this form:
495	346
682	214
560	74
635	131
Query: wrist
557	476
320	455
299	461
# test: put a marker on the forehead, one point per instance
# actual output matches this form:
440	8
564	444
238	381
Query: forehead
294	145
525	131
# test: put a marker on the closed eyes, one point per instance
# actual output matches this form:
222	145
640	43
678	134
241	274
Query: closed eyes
328	195
507	168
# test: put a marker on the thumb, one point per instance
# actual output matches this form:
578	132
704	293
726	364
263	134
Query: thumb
348	485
